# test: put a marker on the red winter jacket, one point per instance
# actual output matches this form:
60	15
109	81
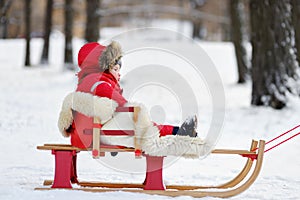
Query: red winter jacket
102	85
99	84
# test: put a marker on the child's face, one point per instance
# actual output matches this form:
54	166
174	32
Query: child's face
115	71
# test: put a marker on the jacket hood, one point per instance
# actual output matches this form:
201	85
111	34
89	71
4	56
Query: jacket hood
110	55
88	55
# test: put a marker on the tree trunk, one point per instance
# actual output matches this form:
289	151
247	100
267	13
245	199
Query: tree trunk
92	21
296	24
4	7
237	37
197	27
27	31
68	35
197	22
3	20
273	59
47	31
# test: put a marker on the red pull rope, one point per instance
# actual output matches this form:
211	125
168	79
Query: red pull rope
280	137
282	142
283	134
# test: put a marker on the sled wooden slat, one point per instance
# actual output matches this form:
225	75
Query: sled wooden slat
62	147
192	191
96	153
101	184
232	151
126	185
137	140
66	147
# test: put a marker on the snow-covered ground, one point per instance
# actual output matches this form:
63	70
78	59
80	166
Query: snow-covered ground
31	99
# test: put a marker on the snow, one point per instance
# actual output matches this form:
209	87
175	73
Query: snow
31	100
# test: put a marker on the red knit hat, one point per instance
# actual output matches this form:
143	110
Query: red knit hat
89	54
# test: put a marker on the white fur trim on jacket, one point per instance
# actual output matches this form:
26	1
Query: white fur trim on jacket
148	135
81	102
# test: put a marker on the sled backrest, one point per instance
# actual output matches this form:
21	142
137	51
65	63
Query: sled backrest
117	130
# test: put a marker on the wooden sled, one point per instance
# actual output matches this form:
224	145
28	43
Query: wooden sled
233	187
66	171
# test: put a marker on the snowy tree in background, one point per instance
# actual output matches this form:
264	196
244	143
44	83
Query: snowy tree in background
27	8
68	34
197	22
47	31
296	24
274	66
4	7
92	20
237	36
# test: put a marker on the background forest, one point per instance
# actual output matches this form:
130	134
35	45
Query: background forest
271	27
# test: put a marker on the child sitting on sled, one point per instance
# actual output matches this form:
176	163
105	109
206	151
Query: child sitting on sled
98	94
